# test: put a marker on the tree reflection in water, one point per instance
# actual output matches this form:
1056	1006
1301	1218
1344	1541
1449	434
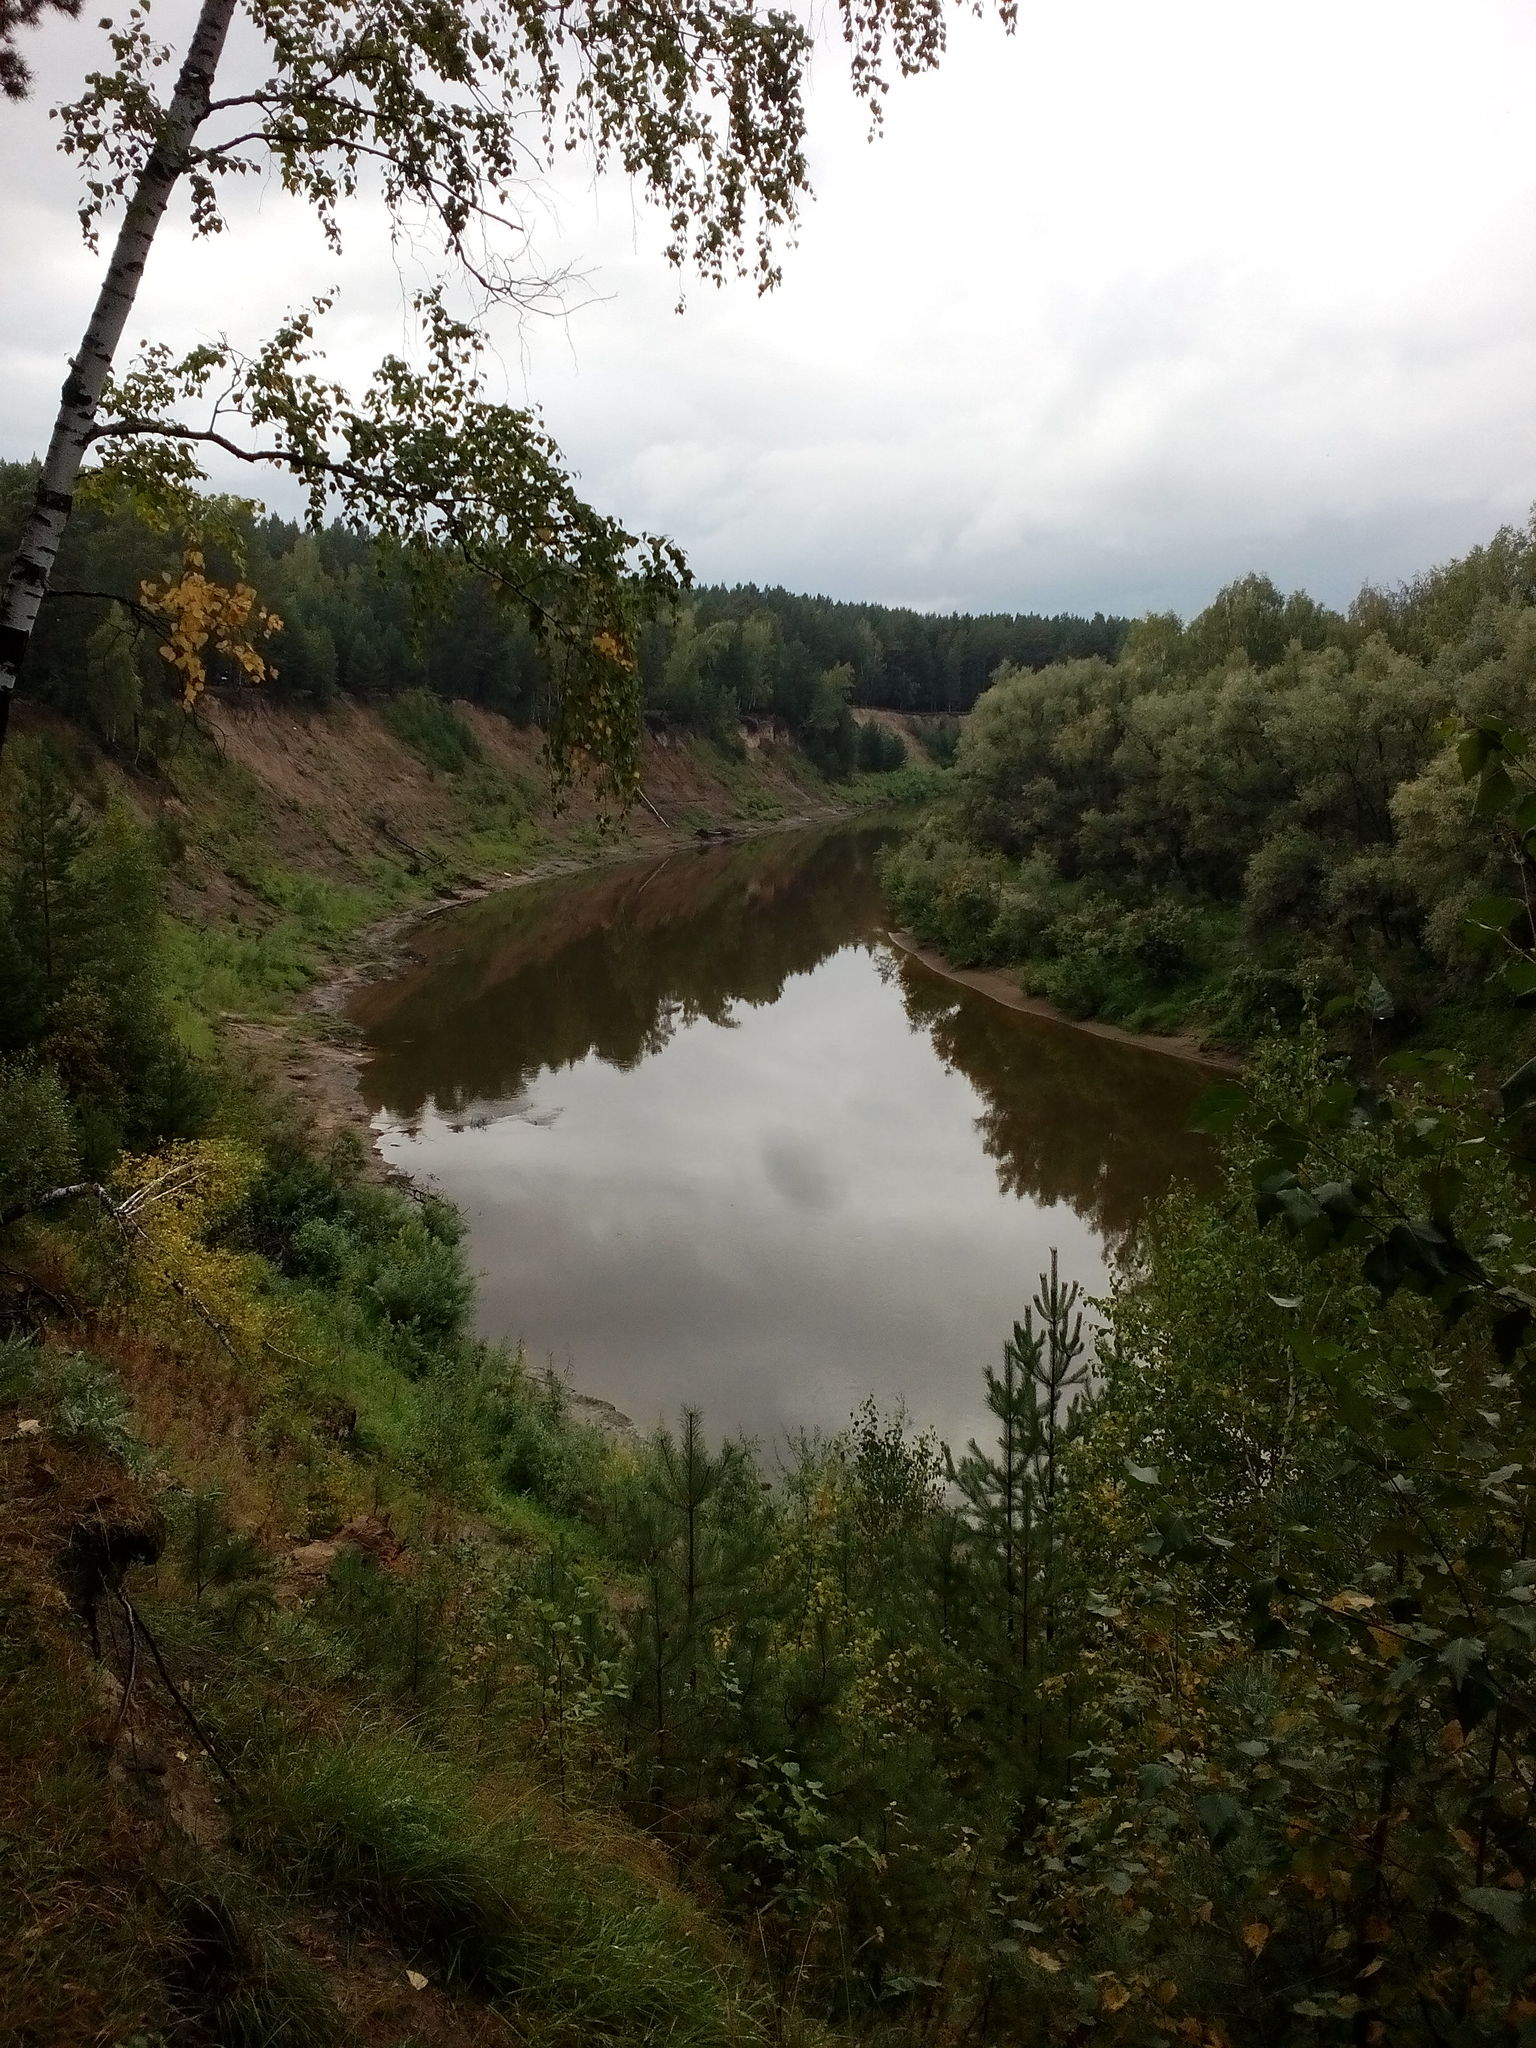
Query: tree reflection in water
612	963
1067	1117
616	962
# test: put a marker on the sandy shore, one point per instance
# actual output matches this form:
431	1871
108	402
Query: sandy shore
1000	988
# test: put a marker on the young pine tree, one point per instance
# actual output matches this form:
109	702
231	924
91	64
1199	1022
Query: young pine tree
44	926
1012	1504
689	1529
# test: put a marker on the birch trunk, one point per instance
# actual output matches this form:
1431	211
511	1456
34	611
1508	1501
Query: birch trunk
27	584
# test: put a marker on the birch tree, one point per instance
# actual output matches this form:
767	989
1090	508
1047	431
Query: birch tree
447	109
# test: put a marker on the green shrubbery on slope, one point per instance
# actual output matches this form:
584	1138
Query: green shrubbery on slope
1195	1706
1238	813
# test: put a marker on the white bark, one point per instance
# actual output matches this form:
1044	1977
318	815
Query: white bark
27	583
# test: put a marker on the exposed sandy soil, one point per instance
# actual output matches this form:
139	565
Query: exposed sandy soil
335	794
1000	988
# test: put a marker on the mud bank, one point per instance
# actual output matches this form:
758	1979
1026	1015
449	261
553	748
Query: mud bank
999	988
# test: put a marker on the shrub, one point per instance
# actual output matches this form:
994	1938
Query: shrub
39	1142
423	1287
541	1453
432	730
78	1396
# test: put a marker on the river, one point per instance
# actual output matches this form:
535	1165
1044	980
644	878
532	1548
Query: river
719	1142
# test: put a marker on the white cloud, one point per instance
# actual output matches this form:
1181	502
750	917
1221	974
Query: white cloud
1117	309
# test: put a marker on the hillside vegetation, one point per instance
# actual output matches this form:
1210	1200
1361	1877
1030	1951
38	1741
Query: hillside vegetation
1243	813
350	621
356	1691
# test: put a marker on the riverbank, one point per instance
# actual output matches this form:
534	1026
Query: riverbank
311	1050
1000	987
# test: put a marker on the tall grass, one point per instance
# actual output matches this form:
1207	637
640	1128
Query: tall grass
579	1949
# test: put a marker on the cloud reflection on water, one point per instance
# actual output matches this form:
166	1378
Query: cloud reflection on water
789	1170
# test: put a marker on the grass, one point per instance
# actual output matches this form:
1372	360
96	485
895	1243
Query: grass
432	729
384	1799
914	783
484	1896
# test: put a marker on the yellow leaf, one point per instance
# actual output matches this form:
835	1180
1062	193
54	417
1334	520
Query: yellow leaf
1112	1994
1350	1602
1044	1960
1453	1737
1255	1934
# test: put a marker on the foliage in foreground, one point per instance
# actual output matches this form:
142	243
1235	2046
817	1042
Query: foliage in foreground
1196	1705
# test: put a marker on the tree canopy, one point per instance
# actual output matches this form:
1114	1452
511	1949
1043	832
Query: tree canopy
446	112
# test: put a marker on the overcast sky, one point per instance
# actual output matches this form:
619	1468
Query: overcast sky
1141	298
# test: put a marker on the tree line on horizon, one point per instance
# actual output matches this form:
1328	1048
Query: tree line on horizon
350	622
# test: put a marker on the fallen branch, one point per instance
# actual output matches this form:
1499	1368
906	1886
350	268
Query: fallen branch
138	1626
125	1215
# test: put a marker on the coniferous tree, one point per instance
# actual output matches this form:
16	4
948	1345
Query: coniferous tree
688	1528
1013	1498
44	935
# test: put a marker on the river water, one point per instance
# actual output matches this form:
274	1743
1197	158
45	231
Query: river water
718	1142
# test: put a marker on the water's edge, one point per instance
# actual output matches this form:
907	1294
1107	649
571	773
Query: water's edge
314	1054
998	988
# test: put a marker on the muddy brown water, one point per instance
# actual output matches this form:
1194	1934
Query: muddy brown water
718	1142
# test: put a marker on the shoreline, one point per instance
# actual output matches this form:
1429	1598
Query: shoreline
312	1052
997	987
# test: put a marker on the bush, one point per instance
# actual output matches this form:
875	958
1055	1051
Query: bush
423	1287
79	1398
39	1142
432	730
880	752
542	1454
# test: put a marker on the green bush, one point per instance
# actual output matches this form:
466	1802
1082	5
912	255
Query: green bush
79	1398
432	730
541	1454
39	1139
422	1286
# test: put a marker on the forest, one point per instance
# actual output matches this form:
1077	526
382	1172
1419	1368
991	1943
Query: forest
1246	814
354	1689
1193	1703
351	621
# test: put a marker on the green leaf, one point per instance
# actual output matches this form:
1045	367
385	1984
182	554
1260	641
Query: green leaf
1492	916
1506	1909
1218	1108
1519	1089
1519	977
1474	748
1144	1475
1495	793
1377	1001
1221	1817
